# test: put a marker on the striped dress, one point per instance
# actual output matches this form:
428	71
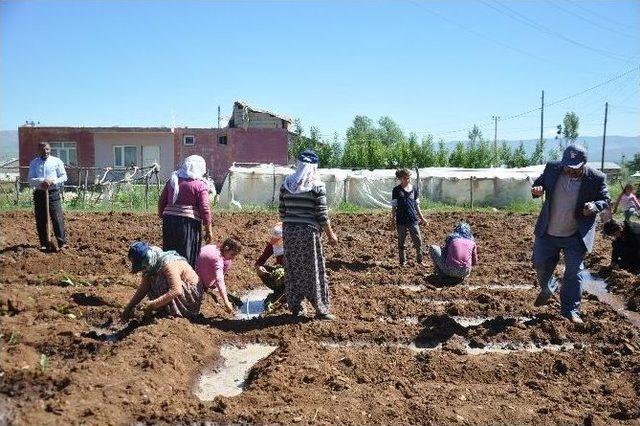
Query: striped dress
303	216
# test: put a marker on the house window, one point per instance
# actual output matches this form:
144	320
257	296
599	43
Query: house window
222	140
65	151
188	140
125	156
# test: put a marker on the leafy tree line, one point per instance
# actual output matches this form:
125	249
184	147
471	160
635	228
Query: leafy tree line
382	144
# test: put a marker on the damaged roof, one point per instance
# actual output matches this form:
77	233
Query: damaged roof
245	105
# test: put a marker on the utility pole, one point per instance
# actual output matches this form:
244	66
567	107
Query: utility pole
218	116
542	118
604	134
495	139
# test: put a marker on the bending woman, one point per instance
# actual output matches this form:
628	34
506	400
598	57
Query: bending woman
184	209
172	286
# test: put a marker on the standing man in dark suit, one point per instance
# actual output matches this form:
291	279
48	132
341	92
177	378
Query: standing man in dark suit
47	173
575	193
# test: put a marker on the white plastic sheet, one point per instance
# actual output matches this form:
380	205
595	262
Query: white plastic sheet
498	187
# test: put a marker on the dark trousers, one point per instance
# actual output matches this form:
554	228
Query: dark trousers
55	212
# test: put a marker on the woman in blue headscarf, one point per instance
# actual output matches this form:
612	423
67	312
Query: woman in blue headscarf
170	283
458	255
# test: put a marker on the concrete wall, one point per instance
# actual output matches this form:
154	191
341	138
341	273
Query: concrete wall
104	143
253	145
30	137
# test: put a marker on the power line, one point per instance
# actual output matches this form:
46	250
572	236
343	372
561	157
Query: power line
476	33
600	16
590	21
517	16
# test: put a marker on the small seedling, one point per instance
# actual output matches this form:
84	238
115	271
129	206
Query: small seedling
43	363
67	282
63	309
14	339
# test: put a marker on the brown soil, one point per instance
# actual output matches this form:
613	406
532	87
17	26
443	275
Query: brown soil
148	375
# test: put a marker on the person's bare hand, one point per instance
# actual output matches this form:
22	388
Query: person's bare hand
589	209
537	191
333	238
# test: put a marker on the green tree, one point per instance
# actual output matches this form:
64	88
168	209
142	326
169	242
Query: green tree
426	154
570	123
519	157
505	154
537	156
442	156
297	141
458	157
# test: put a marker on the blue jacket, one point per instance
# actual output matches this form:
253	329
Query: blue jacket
592	189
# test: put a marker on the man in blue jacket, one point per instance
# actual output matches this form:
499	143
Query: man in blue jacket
575	193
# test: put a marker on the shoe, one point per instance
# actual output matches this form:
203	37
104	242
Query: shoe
574	318
63	247
44	249
542	299
298	313
326	317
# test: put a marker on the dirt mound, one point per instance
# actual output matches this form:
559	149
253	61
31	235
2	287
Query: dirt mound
406	348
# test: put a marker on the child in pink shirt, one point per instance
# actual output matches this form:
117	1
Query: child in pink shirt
214	262
628	202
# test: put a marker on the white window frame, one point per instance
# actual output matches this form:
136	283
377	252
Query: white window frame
115	162
67	147
184	140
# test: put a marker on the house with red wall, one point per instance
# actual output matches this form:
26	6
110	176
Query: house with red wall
252	135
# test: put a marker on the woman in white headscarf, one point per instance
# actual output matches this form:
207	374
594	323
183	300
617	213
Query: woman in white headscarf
184	209
304	214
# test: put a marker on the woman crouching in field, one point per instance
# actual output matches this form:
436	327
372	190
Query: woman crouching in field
458	255
171	284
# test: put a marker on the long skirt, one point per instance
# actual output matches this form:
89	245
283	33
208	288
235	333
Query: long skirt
305	275
187	305
182	234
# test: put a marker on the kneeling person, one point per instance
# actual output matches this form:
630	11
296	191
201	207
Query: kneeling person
272	275
459	253
625	250
212	265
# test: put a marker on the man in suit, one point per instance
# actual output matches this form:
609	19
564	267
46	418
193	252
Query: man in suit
575	193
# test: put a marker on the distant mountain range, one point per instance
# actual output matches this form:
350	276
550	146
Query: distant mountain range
615	148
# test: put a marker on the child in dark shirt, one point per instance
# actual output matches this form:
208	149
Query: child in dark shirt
406	215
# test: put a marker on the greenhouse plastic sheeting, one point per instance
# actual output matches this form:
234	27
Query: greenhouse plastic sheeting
260	185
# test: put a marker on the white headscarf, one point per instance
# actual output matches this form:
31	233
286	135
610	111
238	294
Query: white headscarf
193	167
303	179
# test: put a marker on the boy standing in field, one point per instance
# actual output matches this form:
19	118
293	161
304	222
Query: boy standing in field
406	214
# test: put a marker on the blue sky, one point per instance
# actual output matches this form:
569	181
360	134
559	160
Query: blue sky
434	67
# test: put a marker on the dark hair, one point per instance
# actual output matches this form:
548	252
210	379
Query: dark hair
43	144
611	227
232	244
628	186
400	173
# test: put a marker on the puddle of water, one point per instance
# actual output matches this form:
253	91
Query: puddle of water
363	344
598	288
444	301
494	348
253	305
474	321
501	287
412	287
506	348
406	320
230	378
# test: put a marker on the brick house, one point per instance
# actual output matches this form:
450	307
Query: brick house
251	136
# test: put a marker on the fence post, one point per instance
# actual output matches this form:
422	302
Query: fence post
471	190
86	183
273	194
17	189
345	189
146	192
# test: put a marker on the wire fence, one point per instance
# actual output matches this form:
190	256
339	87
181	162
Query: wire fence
130	188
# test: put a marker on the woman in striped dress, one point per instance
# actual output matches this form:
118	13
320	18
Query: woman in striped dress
184	209
304	214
